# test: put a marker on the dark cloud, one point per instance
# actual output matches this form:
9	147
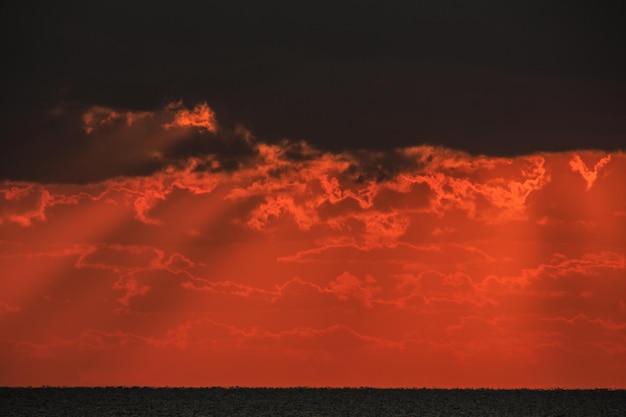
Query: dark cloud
230	148
484	77
383	165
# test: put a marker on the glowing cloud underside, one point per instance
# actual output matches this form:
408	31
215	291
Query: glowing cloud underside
428	267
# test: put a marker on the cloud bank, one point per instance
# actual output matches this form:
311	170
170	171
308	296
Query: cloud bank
220	259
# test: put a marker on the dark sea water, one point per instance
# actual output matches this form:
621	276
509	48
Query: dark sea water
300	402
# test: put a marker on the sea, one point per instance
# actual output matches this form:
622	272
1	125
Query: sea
308	402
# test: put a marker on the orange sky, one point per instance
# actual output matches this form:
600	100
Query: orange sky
426	267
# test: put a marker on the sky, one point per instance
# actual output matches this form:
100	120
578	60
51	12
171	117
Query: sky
314	194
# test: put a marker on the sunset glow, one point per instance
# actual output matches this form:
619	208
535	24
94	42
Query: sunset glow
284	265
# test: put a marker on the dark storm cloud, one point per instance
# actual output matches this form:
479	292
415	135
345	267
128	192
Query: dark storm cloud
486	77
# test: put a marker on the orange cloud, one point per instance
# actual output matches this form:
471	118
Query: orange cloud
23	203
201	116
280	264
590	176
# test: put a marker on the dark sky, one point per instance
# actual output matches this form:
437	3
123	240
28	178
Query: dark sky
494	77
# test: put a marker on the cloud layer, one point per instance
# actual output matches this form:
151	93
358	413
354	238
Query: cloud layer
220	259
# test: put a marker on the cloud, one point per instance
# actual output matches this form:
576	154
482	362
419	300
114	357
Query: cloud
23	203
345	288
201	117
467	185
590	176
127	263
173	115
86	144
98	116
347	285
278	254
296	292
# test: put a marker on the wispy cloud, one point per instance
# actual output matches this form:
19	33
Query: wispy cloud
232	252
